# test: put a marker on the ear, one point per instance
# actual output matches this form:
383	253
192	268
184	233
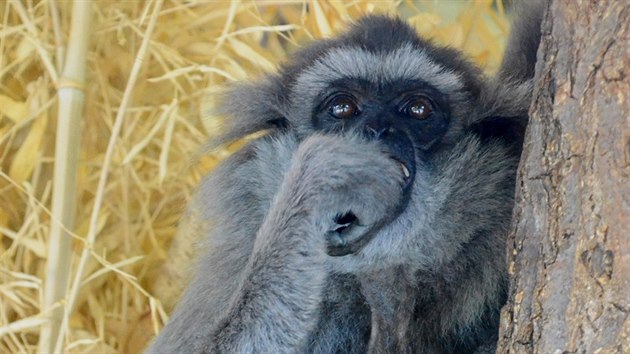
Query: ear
247	108
509	130
502	112
502	108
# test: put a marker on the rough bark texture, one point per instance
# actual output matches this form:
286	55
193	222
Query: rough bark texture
570	264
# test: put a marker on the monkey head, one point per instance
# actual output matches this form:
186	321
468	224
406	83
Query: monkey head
454	134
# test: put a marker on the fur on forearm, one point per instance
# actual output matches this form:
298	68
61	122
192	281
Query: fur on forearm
277	303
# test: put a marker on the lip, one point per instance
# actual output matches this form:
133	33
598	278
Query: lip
407	169
400	147
408	162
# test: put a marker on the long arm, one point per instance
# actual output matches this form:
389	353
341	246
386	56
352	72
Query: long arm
278	302
274	302
234	200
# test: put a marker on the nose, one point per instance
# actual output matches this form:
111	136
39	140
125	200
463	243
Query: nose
378	128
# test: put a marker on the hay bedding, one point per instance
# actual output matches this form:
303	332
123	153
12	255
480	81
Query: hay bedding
151	68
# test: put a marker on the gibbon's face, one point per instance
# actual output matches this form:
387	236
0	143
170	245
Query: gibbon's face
401	98
420	101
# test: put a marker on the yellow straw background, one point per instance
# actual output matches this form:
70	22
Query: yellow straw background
103	116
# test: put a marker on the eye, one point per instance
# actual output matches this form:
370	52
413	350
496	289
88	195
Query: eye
419	108
343	107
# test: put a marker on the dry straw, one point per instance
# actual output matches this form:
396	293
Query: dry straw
92	196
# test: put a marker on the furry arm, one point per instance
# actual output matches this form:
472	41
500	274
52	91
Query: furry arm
276	305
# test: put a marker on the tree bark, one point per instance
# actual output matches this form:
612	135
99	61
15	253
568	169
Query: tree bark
570	240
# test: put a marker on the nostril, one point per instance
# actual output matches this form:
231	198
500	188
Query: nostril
371	131
377	132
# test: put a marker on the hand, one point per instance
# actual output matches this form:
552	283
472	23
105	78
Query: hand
350	186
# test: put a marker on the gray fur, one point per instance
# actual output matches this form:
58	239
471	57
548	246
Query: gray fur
289	249
405	63
431	279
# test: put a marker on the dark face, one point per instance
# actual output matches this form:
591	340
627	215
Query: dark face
405	115
411	108
408	117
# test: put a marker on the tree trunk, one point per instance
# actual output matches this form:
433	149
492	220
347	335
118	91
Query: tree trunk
570	240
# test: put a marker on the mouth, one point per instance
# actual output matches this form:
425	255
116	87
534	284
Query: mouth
405	169
400	148
348	234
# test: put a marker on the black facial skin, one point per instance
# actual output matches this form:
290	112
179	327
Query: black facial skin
408	117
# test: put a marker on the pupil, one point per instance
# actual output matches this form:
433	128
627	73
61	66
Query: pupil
418	110
342	110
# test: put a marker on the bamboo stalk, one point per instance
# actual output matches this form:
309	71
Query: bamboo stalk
56	26
70	111
100	191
